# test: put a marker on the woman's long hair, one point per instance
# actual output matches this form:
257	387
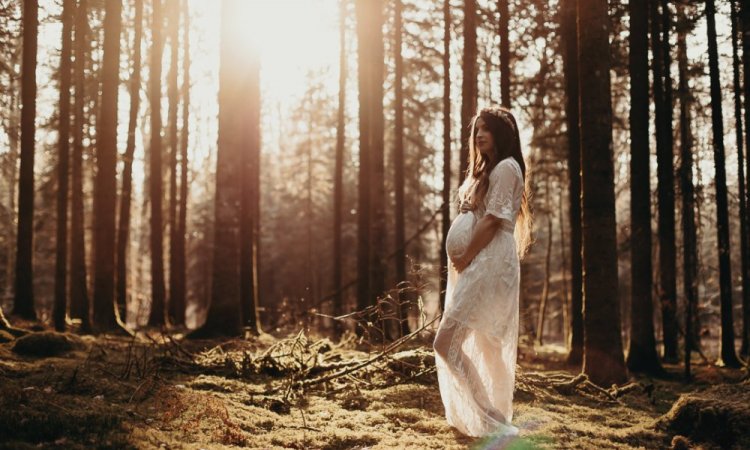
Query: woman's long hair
504	130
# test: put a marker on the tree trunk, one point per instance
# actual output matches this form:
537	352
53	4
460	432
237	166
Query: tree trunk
105	186
338	186
689	238
665	175
156	317
570	69
728	356
23	301
446	208
79	296
469	83
603	359
123	230
565	303
63	163
547	263
502	6
403	295
745	28
642	355
173	22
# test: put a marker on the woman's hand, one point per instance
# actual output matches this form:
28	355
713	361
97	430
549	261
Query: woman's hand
461	262
465	207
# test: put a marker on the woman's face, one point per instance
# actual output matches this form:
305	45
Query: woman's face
483	139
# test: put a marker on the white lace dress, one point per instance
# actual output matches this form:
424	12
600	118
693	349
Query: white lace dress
481	305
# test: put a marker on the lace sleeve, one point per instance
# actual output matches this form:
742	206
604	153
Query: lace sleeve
503	182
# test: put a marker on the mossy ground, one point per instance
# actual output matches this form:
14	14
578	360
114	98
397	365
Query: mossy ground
149	392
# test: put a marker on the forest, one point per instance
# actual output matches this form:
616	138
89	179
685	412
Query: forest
223	223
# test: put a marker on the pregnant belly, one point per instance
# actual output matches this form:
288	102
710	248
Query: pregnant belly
459	234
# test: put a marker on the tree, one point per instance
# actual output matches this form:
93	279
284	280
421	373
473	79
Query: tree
63	163
156	318
744	18
642	356
469	83
173	22
338	178
728	355
23	301
570	69
446	208
603	360
105	187
123	229
502	6
79	296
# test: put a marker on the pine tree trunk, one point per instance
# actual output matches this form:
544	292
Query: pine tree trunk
565	303
642	355
689	238
338	187
469	83
23	301
403	295
63	169
123	230
79	293
156	317
745	28
603	359
446	208
570	69
728	356
502	6
173	22
547	263
105	186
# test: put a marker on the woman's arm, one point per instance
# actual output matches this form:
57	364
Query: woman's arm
484	231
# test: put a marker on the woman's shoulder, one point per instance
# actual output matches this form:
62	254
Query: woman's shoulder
507	166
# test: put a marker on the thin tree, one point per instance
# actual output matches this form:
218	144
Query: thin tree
469	82
744	19
63	169
156	317
79	296
728	354
603	359
446	209
338	179
569	35
547	267
173	22
123	229
642	356
689	238
23	300
105	186
502	6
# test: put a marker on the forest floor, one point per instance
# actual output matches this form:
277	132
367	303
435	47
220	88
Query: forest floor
69	391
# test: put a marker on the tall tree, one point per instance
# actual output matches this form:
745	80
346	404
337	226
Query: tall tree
173	22
728	354
105	186
744	18
338	179
23	300
446	208
156	318
502	6
603	359
660	24
642	356
569	34
399	169
123	230
79	296
689	238
63	166
468	83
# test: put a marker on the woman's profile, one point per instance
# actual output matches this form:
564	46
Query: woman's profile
476	342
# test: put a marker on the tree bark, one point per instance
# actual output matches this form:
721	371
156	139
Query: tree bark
603	359
63	169
745	28
570	70
173	22
157	315
105	186
642	355
469	83
728	356
447	157
338	186
400	232
123	230
502	6
23	301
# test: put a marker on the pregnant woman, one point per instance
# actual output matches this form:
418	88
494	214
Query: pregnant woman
475	345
